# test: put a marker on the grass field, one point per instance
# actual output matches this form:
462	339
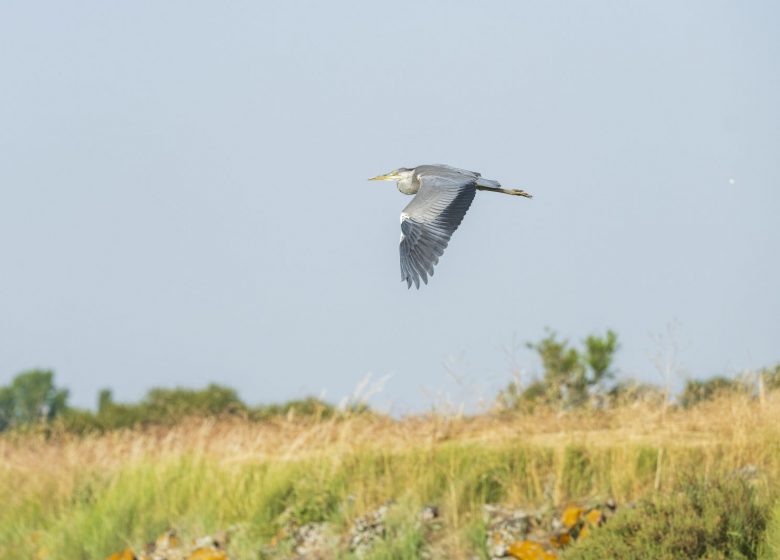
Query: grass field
68	496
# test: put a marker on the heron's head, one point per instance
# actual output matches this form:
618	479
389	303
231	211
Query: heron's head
397	175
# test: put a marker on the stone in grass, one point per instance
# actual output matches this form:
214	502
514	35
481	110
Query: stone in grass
210	547
126	554
529	550
748	472
504	526
593	518
311	540
207	553
219	540
571	516
168	546
429	513
515	533
560	540
314	540
368	530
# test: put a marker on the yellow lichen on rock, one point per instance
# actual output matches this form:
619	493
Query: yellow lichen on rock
594	517
167	540
561	540
529	550
571	516
207	553
126	554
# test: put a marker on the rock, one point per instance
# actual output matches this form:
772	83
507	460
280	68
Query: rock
429	513
168	546
594	518
313	540
529	550
504	527
126	554
207	553
571	516
516	533
560	540
208	542
748	472
168	540
368	530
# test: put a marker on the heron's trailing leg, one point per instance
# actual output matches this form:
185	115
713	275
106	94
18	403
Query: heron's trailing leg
514	192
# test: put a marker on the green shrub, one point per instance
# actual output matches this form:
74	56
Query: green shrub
31	398
308	407
631	391
713	520
571	376
699	391
170	406
771	377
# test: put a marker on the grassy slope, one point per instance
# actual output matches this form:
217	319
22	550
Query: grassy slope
87	497
772	545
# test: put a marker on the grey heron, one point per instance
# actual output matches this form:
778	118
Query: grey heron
443	196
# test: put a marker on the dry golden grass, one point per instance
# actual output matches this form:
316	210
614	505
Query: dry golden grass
47	482
737	423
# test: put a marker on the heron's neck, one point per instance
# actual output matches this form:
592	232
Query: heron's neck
408	185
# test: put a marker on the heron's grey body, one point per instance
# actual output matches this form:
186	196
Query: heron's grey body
443	196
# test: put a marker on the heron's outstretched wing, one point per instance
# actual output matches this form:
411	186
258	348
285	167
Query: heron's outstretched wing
428	222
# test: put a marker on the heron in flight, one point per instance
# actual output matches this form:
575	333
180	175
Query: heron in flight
443	196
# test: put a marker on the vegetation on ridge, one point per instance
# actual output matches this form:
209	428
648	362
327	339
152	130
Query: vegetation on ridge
203	462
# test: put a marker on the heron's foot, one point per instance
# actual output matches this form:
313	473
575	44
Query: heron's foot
520	192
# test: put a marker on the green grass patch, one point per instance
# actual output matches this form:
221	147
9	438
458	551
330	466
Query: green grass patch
771	547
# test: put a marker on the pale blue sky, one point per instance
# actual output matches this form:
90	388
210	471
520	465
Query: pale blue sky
183	193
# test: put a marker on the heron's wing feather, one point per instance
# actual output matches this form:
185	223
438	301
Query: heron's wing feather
429	221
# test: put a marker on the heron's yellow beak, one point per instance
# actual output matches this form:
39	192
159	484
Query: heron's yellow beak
388	177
